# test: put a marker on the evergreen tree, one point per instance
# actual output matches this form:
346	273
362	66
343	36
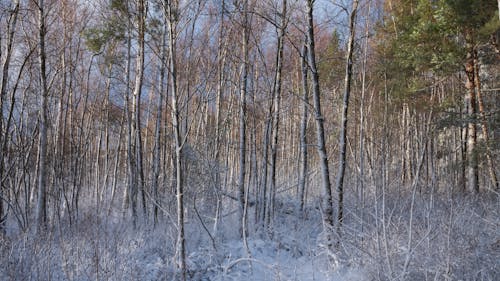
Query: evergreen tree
434	39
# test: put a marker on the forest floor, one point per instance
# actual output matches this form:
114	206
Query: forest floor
448	239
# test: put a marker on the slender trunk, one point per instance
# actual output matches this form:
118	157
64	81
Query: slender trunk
343	130
463	146
303	129
361	178
242	123
484	125
265	161
254	166
116	164
129	197
384	171
107	115
220	91
326	206
98	170
41	209
57	167
172	17
3	93
276	117
139	72
473	173
156	153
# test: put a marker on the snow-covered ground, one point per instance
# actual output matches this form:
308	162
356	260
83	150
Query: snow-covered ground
450	240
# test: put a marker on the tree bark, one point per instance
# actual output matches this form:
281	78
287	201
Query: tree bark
242	122
130	196
472	159
159	116
3	93
41	206
303	129
139	77
326	206
172	18
221	59
339	186
276	116
484	125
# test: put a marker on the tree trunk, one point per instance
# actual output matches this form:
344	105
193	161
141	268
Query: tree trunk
361	148
221	59
326	206
276	116
130	196
484	125
242	123
472	169
159	115
41	206
3	93
303	128
139	77
172	17
345	110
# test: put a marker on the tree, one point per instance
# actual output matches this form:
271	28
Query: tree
172	15
3	93
475	28
303	127
242	121
41	206
448	34
221	61
277	89
136	143
326	203
159	115
339	186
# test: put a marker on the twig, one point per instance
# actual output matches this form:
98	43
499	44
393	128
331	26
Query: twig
203	224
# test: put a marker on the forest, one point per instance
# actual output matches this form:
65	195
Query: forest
249	140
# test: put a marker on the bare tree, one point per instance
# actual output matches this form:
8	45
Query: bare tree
41	206
276	116
326	204
303	128
172	14
3	93
159	111
339	186
242	195
136	108
221	61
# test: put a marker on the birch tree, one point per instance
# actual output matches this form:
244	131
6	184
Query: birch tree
172	15
11	29
277	89
339	186
326	202
303	127
41	206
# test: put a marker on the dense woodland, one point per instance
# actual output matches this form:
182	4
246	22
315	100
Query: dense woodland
249	140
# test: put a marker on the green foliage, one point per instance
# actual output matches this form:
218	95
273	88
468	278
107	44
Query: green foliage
119	5
426	39
331	62
472	14
111	28
490	27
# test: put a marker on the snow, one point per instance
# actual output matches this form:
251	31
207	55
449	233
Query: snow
458	243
